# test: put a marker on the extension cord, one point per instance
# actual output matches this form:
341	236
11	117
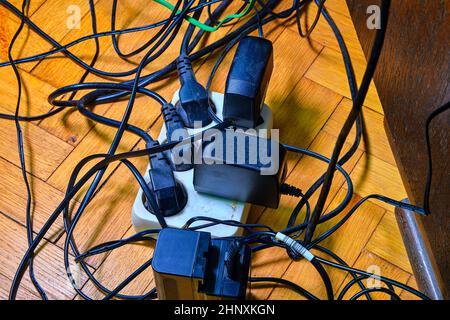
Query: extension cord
198	204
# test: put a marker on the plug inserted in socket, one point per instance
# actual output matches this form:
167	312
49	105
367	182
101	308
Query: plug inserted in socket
199	204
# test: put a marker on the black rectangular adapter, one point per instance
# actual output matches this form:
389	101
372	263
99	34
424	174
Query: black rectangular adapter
248	81
190	265
247	168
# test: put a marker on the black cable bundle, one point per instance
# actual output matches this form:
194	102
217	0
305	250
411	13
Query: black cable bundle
259	236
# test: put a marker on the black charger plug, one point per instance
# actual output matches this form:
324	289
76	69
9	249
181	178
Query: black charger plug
171	197
194	100
176	131
248	81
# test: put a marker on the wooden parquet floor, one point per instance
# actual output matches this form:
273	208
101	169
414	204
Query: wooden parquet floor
310	99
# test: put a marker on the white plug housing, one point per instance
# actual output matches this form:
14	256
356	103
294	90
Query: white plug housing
198	204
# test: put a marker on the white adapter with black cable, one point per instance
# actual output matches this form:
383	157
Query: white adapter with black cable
199	204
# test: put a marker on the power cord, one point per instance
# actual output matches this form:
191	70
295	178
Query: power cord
261	236
29	218
354	113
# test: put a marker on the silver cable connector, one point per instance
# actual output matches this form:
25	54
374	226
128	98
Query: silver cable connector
294	245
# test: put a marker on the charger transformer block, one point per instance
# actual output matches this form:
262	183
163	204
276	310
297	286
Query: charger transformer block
248	81
189	265
199	204
243	167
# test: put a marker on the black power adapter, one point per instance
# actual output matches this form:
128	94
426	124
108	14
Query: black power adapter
244	167
190	265
248	81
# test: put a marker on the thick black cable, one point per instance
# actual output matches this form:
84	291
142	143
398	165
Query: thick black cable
29	217
130	278
375	276
78	60
353	92
174	26
115	37
358	280
325	278
184	51
295	287
108	159
341	261
426	196
355	111
107	246
123	125
313	25
393	295
246	28
124	92
111	245
64	48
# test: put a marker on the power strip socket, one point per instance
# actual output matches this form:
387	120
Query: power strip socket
198	204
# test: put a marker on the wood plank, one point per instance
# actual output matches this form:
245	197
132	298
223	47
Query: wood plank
274	262
128	16
75	126
305	172
315	104
119	265
122	212
32	6
347	242
50	70
141	117
323	33
304	112
375	141
386	243
43	151
413	82
374	176
374	264
108	216
23	293
339	6
287	75
100	138
27	44
329	71
50	16
48	266
34	94
309	112
405	295
13	198
122	174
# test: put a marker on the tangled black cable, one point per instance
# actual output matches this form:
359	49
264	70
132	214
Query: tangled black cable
259	236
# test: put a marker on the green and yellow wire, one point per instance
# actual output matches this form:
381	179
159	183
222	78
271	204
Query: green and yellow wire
205	27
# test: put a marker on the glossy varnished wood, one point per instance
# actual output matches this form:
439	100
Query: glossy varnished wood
412	79
310	99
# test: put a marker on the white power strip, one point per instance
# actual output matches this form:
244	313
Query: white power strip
198	204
